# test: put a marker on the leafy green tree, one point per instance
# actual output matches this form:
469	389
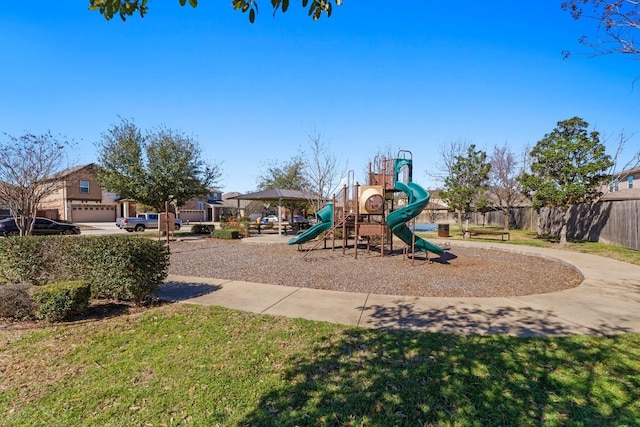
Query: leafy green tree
567	166
28	167
125	8
163	165
466	185
289	175
618	24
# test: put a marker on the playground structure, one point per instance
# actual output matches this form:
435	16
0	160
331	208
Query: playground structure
368	213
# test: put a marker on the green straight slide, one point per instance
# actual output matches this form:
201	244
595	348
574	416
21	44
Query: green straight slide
325	218
396	220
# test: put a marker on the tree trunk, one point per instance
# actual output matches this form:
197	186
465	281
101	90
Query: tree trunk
563	228
460	222
507	219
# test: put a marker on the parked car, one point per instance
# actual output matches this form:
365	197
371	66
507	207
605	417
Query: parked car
301	222
42	226
269	218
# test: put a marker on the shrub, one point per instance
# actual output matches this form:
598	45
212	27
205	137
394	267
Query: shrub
26	259
118	267
123	268
58	301
230	224
226	233
202	228
16	301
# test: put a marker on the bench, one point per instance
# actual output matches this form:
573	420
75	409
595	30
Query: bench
480	231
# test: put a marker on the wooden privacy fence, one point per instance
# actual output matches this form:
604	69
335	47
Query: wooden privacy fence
612	222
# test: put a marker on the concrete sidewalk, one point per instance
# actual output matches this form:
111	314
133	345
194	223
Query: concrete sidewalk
607	302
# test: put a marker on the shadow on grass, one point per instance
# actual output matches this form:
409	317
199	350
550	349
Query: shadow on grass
387	378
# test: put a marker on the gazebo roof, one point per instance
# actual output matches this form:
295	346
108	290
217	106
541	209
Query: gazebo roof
276	194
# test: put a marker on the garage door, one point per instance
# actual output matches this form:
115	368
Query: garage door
96	213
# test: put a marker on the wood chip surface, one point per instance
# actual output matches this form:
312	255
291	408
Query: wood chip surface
460	272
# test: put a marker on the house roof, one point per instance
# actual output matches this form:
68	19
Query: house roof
70	171
436	206
625	173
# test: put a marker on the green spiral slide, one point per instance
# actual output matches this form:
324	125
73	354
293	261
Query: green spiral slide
396	220
325	218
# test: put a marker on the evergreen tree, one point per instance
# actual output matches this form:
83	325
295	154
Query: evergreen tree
567	166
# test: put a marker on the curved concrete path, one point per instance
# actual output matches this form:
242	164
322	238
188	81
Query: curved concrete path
607	302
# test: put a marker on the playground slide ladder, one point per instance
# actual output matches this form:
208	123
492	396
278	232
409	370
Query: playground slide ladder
330	231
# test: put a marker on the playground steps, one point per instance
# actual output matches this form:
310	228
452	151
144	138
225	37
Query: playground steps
337	224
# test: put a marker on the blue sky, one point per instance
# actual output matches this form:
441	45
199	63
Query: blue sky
376	76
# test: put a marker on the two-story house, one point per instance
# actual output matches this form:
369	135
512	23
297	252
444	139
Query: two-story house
625	185
205	209
78	197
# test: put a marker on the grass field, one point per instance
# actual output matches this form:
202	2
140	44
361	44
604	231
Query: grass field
194	365
206	366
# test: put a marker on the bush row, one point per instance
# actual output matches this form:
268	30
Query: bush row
57	301
53	302
115	267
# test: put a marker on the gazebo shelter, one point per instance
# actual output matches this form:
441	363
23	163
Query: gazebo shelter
277	195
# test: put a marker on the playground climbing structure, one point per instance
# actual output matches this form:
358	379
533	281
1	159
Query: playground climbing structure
370	214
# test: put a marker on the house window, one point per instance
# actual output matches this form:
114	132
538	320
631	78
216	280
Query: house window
613	185
630	182
200	206
84	187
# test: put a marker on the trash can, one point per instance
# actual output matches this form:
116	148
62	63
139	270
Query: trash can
443	230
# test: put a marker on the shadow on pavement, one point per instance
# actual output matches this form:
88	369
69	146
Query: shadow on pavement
180	291
517	322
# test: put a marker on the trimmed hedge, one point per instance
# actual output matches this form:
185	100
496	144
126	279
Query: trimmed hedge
124	268
58	301
226	233
16	301
31	259
117	267
202	228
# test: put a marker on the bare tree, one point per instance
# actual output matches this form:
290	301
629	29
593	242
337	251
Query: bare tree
618	173
504	188
322	170
27	168
631	163
449	152
618	21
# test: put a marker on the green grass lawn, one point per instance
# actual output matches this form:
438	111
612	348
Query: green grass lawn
206	366
530	238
